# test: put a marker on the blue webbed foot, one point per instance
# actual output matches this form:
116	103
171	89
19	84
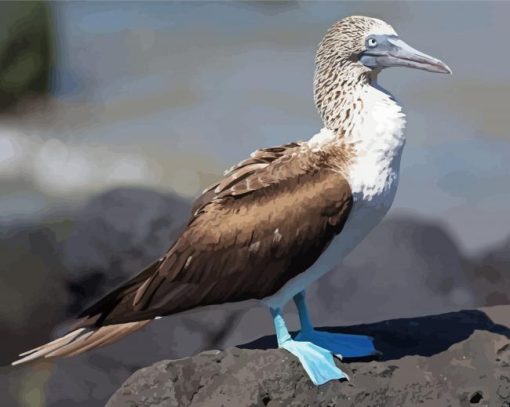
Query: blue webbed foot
317	362
341	345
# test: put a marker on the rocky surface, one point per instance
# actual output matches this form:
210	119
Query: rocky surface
453	359
406	267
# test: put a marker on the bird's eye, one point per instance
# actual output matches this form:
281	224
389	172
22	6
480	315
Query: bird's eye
372	42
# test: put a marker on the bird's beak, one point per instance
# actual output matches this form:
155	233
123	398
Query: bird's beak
395	52
402	54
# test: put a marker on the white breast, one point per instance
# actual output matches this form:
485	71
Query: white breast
378	140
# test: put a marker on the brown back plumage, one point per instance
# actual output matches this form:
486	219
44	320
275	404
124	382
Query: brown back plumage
267	221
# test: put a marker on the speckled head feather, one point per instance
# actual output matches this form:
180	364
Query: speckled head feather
346	38
339	72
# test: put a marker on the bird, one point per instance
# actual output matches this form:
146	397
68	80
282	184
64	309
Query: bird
282	218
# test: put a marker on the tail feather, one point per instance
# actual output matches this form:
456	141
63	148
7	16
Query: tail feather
92	330
54	344
80	340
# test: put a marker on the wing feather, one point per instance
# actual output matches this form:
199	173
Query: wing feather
267	221
258	160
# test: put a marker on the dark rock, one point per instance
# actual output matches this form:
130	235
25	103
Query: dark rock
90	379
405	267
490	274
32	288
116	235
456	359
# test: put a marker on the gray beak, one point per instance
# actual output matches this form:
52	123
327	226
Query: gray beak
392	51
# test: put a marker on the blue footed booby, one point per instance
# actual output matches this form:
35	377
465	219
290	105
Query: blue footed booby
282	218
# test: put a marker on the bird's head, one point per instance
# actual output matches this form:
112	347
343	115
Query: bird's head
367	45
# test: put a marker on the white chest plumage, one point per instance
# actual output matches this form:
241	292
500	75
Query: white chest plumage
378	137
378	140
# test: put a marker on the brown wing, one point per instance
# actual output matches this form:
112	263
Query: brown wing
245	241
258	160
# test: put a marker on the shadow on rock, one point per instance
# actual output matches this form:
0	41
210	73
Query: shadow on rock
422	336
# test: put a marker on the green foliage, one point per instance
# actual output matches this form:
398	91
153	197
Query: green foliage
26	51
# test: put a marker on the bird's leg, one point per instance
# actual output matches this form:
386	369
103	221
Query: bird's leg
317	362
341	345
304	318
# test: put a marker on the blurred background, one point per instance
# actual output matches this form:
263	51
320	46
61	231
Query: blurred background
114	115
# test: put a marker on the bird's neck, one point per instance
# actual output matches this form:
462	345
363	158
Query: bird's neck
360	114
340	97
